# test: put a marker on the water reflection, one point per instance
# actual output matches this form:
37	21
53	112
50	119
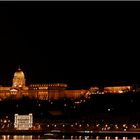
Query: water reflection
97	137
124	138
33	137
16	137
134	138
22	137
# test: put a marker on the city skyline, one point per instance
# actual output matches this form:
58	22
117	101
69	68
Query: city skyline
80	44
69	70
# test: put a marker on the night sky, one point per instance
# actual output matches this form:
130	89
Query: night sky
78	43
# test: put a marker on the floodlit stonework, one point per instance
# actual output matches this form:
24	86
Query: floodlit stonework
51	91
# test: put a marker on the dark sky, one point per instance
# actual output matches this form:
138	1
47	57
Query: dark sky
78	43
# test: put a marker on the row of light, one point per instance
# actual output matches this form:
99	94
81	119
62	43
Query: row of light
105	127
43	85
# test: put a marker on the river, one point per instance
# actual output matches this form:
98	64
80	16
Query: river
55	137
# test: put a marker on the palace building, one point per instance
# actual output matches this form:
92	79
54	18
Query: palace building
52	91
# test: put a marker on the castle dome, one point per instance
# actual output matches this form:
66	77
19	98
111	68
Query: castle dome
19	73
19	79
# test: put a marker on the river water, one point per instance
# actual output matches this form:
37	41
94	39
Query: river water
55	137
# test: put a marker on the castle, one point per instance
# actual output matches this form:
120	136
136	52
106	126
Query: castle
52	91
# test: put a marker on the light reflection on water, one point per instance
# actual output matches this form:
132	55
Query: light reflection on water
16	137
33	137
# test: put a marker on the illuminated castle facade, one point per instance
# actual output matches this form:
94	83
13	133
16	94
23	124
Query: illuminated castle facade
37	91
51	91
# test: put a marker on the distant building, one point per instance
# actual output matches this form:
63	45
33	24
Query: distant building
117	89
23	122
52	91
